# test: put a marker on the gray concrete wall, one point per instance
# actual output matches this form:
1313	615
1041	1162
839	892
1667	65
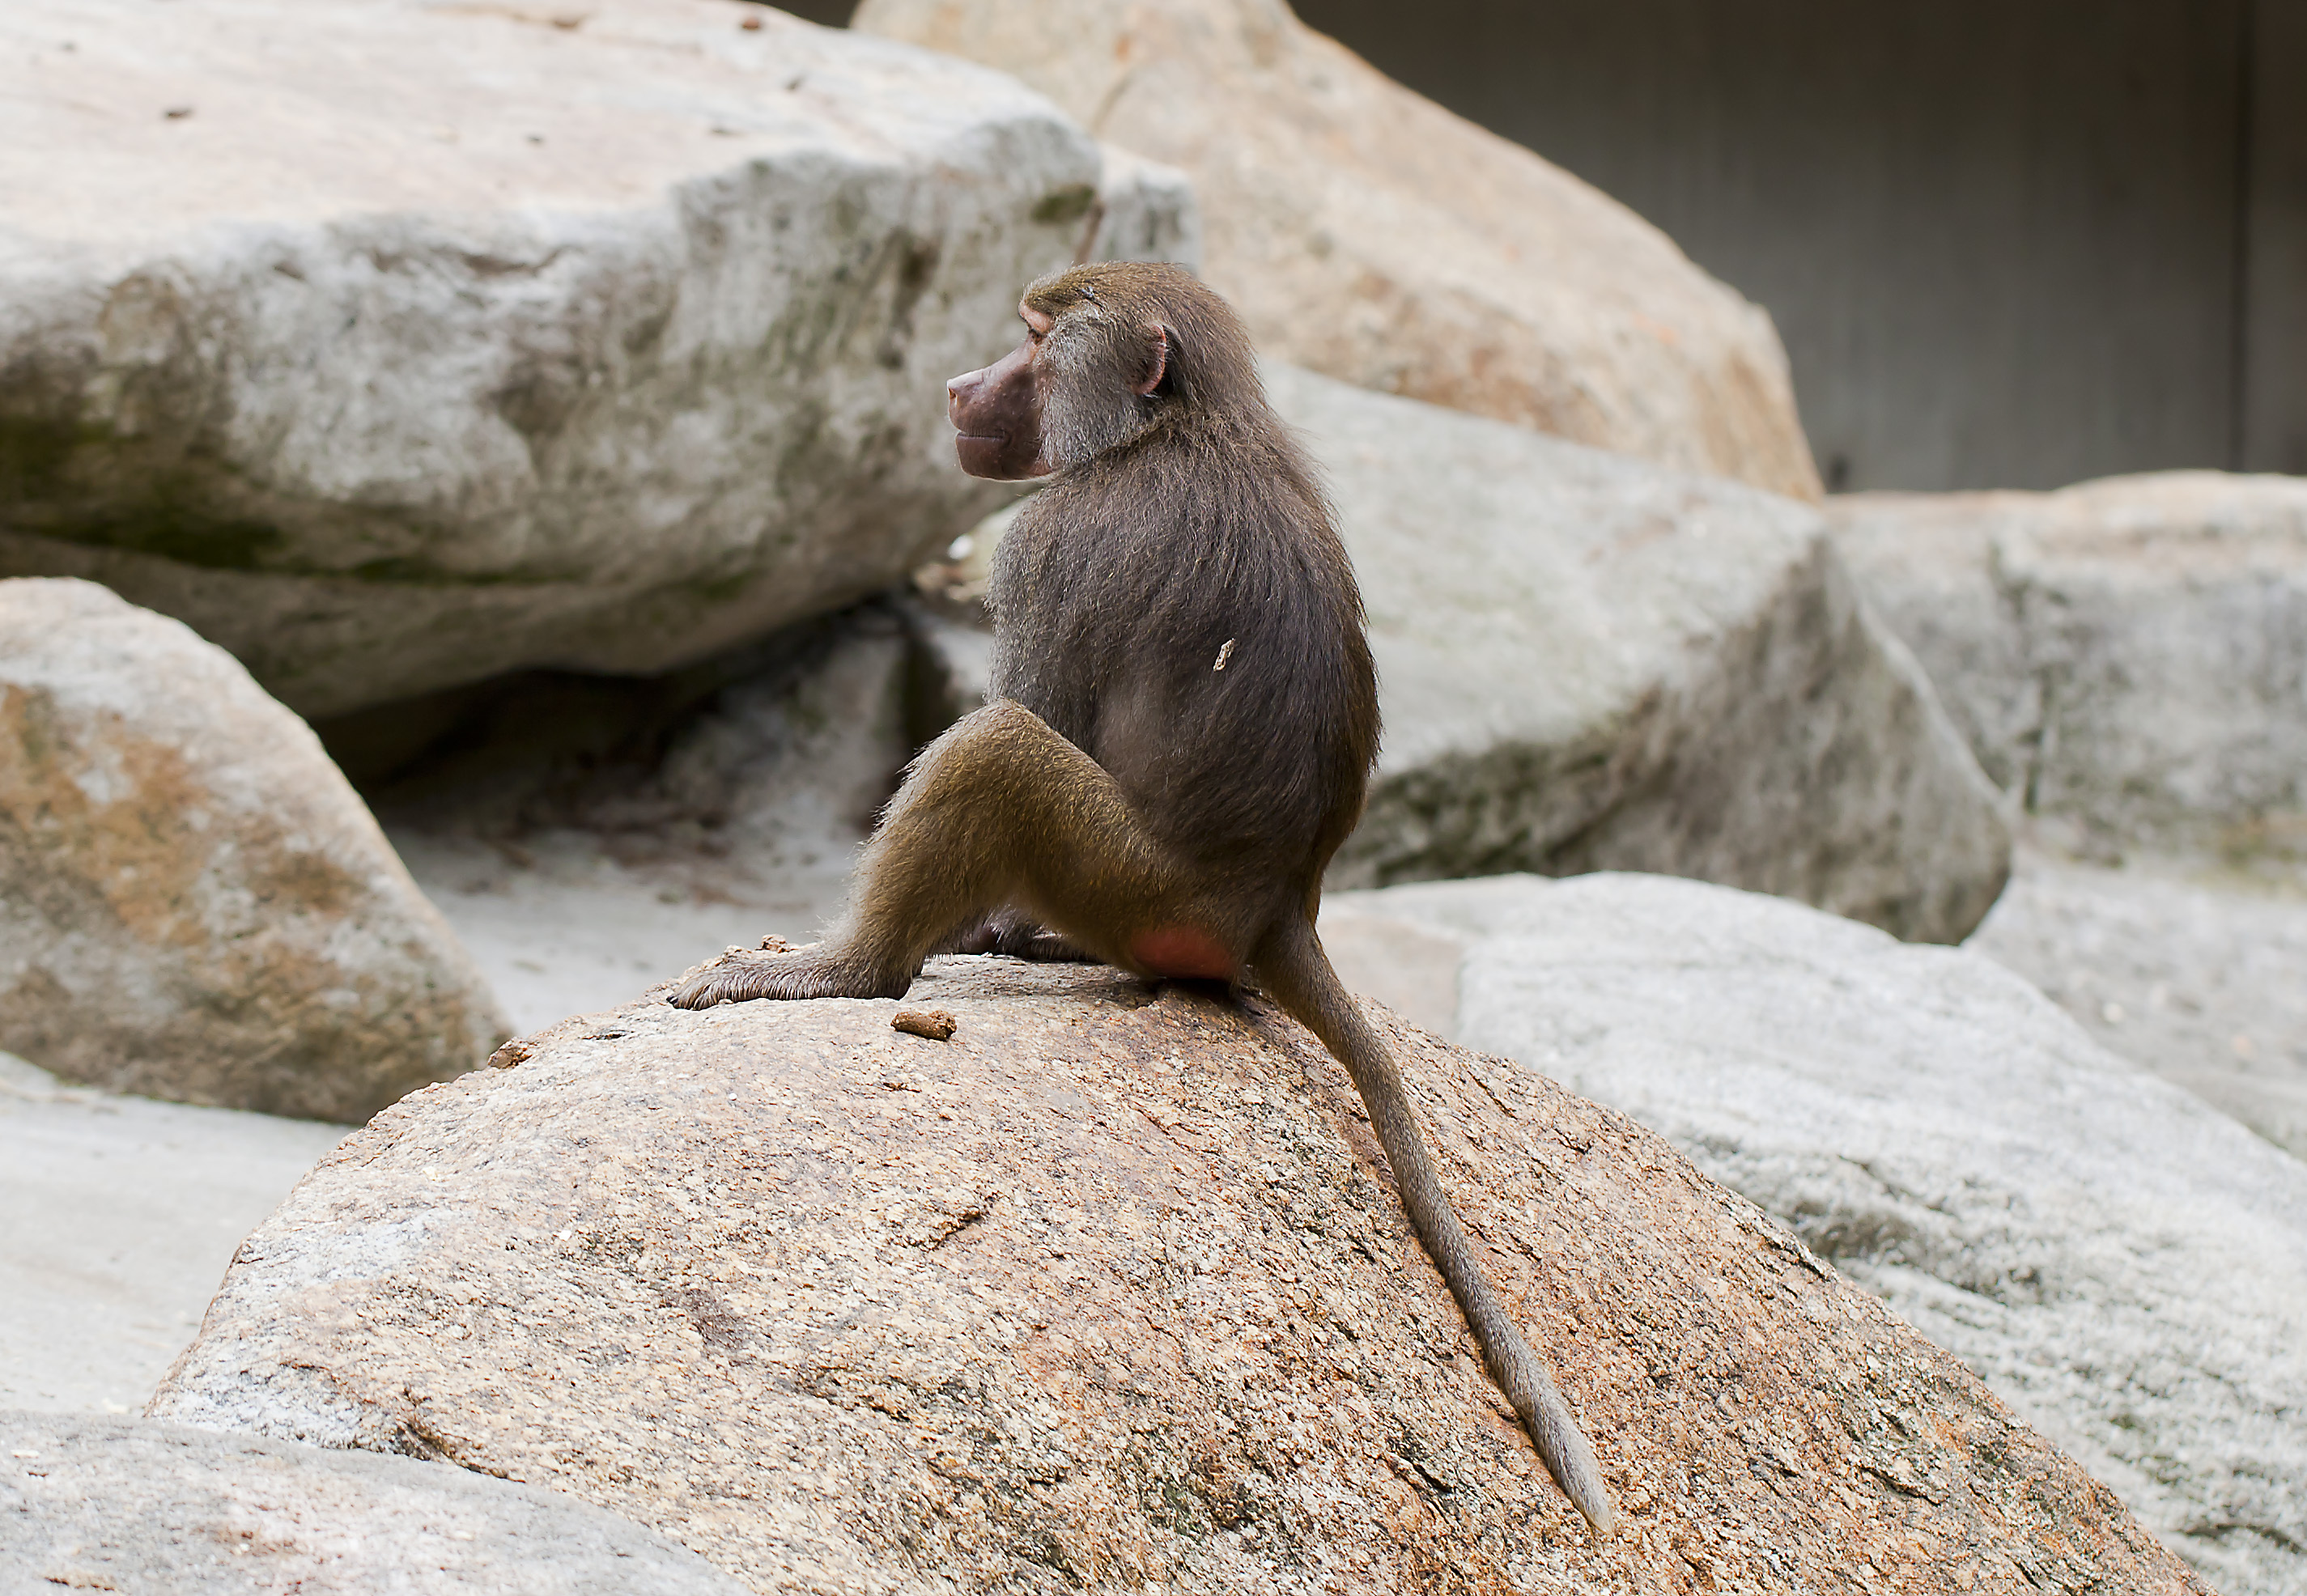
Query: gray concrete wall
2002	238
2274	352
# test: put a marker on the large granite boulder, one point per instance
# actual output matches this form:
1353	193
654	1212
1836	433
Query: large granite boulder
2125	1267
2127	656
193	902
1108	1292
125	1505
398	345
1588	663
1367	233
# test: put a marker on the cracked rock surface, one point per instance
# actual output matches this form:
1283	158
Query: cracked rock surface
1110	1291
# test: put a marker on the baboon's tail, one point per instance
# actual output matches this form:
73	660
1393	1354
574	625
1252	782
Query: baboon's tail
1296	972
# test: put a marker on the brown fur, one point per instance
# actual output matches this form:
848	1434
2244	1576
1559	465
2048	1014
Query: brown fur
1183	722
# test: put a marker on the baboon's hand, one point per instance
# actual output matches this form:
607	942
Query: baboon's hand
741	975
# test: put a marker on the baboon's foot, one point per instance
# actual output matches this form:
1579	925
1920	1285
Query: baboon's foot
743	976
1013	934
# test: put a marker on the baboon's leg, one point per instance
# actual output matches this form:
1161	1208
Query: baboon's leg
1000	810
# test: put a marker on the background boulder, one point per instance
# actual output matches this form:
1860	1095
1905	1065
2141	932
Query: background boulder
1109	1289
124	1505
2125	1267
1589	662
395	346
2128	657
193	904
2204	984
1369	234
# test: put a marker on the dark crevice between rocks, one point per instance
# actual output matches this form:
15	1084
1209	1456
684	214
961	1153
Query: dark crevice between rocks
542	748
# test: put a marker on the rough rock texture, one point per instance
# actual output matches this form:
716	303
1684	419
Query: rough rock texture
2129	654
1588	663
1108	1292
2125	1267
193	904
162	1510
1368	232
2203	981
431	341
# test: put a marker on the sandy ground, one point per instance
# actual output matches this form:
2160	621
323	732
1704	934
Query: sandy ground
119	1215
560	927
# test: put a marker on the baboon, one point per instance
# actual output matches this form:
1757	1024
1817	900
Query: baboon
1183	720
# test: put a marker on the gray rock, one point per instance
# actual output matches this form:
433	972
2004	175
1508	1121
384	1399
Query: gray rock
193	904
1109	1290
164	1510
2125	1267
2129	656
121	1214
2201	980
433	341
1587	662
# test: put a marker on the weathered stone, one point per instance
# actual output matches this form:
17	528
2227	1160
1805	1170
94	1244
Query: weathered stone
2203	981
2125	1267
433	341
1588	663
1367	233
1108	1290
127	1504
2129	656
193	904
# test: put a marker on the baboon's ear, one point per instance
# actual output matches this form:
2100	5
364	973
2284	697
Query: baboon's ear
1157	348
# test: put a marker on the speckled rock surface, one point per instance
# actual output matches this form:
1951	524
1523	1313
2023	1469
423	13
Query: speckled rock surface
2124	1265
1588	663
1108	1292
1369	234
164	1510
395	344
193	902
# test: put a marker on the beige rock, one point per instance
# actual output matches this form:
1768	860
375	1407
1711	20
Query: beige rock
2127	656
1369	234
193	902
440	341
1108	1291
